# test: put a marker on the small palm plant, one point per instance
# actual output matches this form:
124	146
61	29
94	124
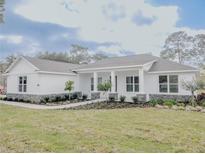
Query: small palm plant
105	87
69	86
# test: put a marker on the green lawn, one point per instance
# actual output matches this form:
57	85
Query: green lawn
117	130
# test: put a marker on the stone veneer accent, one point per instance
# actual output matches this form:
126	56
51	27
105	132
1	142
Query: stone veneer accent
141	97
95	95
37	98
174	97
113	95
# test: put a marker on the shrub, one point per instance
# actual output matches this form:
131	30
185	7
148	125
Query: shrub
5	98
180	104
46	99
84	97
63	98
28	101
67	96
9	99
111	98
168	103
203	104
21	100
74	96
160	101
58	98
16	99
135	99
153	102
122	99
42	101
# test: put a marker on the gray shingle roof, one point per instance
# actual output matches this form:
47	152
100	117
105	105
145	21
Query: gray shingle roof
167	65
51	66
140	59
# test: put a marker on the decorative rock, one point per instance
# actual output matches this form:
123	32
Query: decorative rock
181	108
203	110
174	107
159	106
166	107
198	108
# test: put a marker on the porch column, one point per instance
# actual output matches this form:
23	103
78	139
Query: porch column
141	81
113	81
95	81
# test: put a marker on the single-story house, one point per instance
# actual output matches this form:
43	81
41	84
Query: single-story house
143	75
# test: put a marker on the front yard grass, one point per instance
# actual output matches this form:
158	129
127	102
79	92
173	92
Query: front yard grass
116	130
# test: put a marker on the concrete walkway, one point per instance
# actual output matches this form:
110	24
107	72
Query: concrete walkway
44	107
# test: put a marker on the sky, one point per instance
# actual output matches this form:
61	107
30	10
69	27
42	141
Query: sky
112	27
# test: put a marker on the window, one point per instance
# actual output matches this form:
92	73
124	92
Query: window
173	83
163	83
132	83
136	83
22	84
92	84
115	83
168	83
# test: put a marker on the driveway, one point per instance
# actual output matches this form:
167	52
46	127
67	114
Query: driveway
44	107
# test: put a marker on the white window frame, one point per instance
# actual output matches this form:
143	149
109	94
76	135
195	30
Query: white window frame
168	84
92	84
23	85
175	84
133	83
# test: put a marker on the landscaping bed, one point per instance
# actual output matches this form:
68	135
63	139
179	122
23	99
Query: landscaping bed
108	105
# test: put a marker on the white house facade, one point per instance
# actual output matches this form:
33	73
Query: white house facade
144	75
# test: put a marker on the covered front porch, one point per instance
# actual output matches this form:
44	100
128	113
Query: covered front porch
124	82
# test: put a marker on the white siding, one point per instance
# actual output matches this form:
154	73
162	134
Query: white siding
152	82
22	68
54	84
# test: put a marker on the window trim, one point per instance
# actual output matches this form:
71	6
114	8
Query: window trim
168	84
23	85
133	84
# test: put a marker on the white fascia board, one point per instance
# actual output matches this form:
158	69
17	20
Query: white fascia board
57	73
12	65
17	60
175	71
107	68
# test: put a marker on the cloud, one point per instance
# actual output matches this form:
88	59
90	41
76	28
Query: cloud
15	39
134	25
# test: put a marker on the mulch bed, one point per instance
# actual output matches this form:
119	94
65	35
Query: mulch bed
108	105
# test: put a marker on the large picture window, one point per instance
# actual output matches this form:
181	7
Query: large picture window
168	83
22	84
132	83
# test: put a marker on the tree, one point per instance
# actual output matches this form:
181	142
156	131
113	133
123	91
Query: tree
177	46
57	56
69	86
198	50
105	87
79	54
2	3
193	86
98	56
